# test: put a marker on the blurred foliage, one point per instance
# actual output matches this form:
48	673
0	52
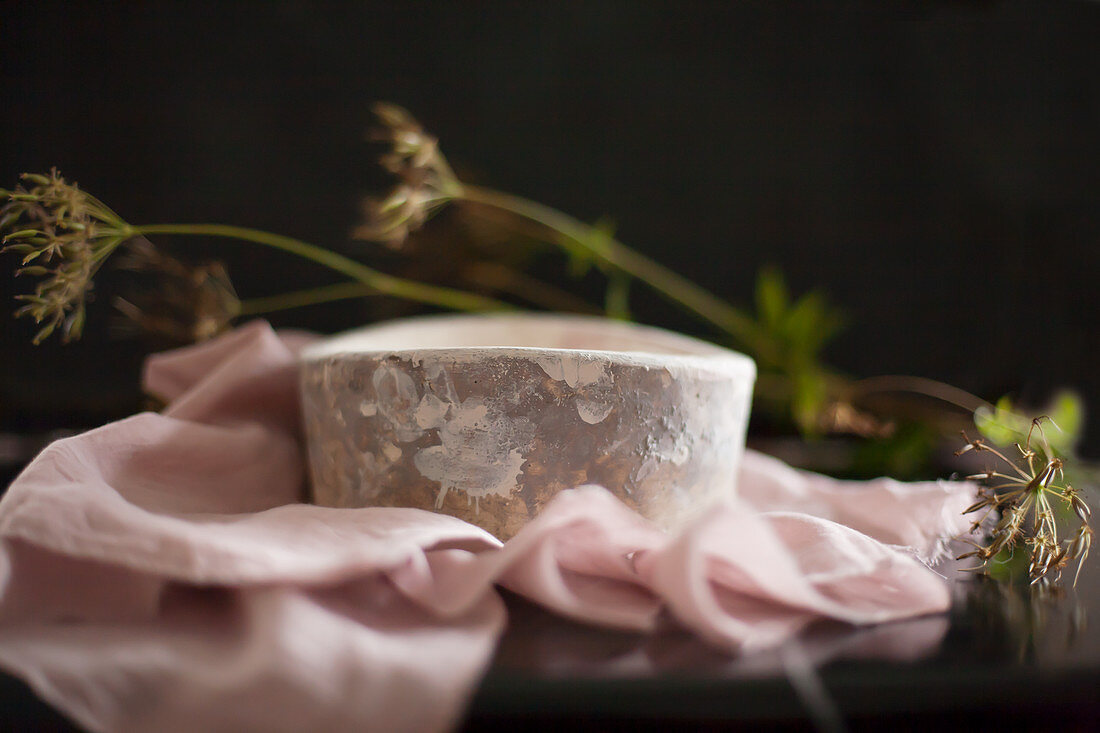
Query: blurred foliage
906	454
1005	423
798	330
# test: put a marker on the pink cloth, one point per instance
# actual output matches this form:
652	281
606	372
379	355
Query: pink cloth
160	573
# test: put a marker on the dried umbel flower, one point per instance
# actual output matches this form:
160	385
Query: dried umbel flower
182	303
425	181
63	235
1026	498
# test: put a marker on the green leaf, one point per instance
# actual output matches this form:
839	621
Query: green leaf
1006	424
1067	412
771	297
602	234
580	262
808	400
617	297
810	324
905	454
1001	425
582	255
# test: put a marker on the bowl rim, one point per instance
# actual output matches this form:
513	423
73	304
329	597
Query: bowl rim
682	351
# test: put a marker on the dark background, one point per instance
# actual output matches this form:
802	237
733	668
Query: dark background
933	166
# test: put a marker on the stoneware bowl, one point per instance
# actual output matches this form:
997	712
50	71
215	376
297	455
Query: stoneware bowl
487	417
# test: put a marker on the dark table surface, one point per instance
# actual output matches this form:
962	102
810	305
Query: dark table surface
1005	657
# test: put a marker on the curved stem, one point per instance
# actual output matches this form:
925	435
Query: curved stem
673	286
920	385
377	281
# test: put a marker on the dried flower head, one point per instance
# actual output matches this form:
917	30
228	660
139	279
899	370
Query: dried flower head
63	235
1026	498
180	303
425	181
842	416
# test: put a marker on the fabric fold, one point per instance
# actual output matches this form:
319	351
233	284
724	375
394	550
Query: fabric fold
165	564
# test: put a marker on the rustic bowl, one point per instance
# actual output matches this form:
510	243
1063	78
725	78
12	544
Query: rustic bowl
487	417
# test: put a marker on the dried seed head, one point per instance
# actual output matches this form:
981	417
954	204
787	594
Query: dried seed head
179	303
66	233
392	219
1027	517
425	181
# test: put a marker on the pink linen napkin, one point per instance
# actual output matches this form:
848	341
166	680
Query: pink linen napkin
160	573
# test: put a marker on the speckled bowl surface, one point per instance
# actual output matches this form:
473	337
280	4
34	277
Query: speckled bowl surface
487	417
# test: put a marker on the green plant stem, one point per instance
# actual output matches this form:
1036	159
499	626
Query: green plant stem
614	253
512	282
378	282
299	298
